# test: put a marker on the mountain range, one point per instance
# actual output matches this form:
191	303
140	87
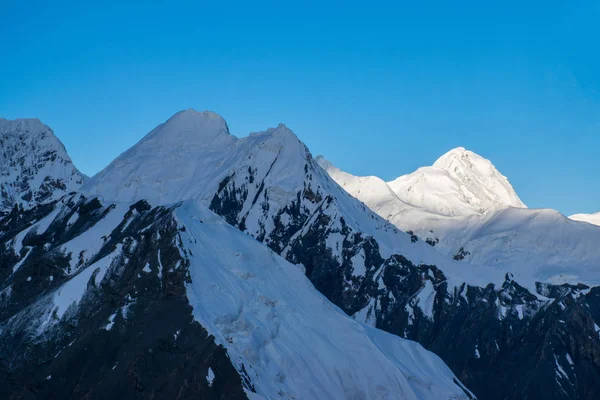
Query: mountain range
468	210
202	264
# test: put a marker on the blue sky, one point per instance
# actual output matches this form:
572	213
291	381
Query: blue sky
378	88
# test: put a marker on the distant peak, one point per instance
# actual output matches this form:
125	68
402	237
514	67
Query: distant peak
280	129
34	165
324	163
191	118
458	150
20	124
207	114
189	127
281	132
458	153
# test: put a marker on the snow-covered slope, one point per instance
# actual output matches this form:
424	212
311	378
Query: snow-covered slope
283	337
550	246
291	339
591	218
34	166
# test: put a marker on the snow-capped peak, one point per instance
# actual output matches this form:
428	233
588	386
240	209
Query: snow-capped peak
34	165
191	153
459	183
191	127
456	153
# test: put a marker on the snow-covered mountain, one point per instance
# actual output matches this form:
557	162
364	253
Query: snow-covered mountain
34	165
591	218
116	286
504	331
269	186
465	208
266	184
111	285
459	183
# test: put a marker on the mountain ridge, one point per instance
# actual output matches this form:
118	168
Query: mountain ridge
85	277
273	190
484	321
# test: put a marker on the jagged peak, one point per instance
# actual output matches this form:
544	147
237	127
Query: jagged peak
459	182
34	164
30	133
280	131
463	156
28	124
280	139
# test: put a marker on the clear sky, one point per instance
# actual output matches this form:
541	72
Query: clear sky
378	88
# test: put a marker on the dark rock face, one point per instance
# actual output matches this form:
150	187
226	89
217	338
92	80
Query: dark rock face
132	334
501	342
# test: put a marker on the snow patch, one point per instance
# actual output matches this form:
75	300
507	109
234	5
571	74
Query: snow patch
425	299
72	291
210	377
111	322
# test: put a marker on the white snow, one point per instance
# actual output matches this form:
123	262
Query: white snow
73	218
459	183
367	314
477	355
560	372
593	219
91	241
425	299
210	377
41	226
111	322
160	266
358	263
22	260
73	290
569	360
519	308
291	339
17	242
